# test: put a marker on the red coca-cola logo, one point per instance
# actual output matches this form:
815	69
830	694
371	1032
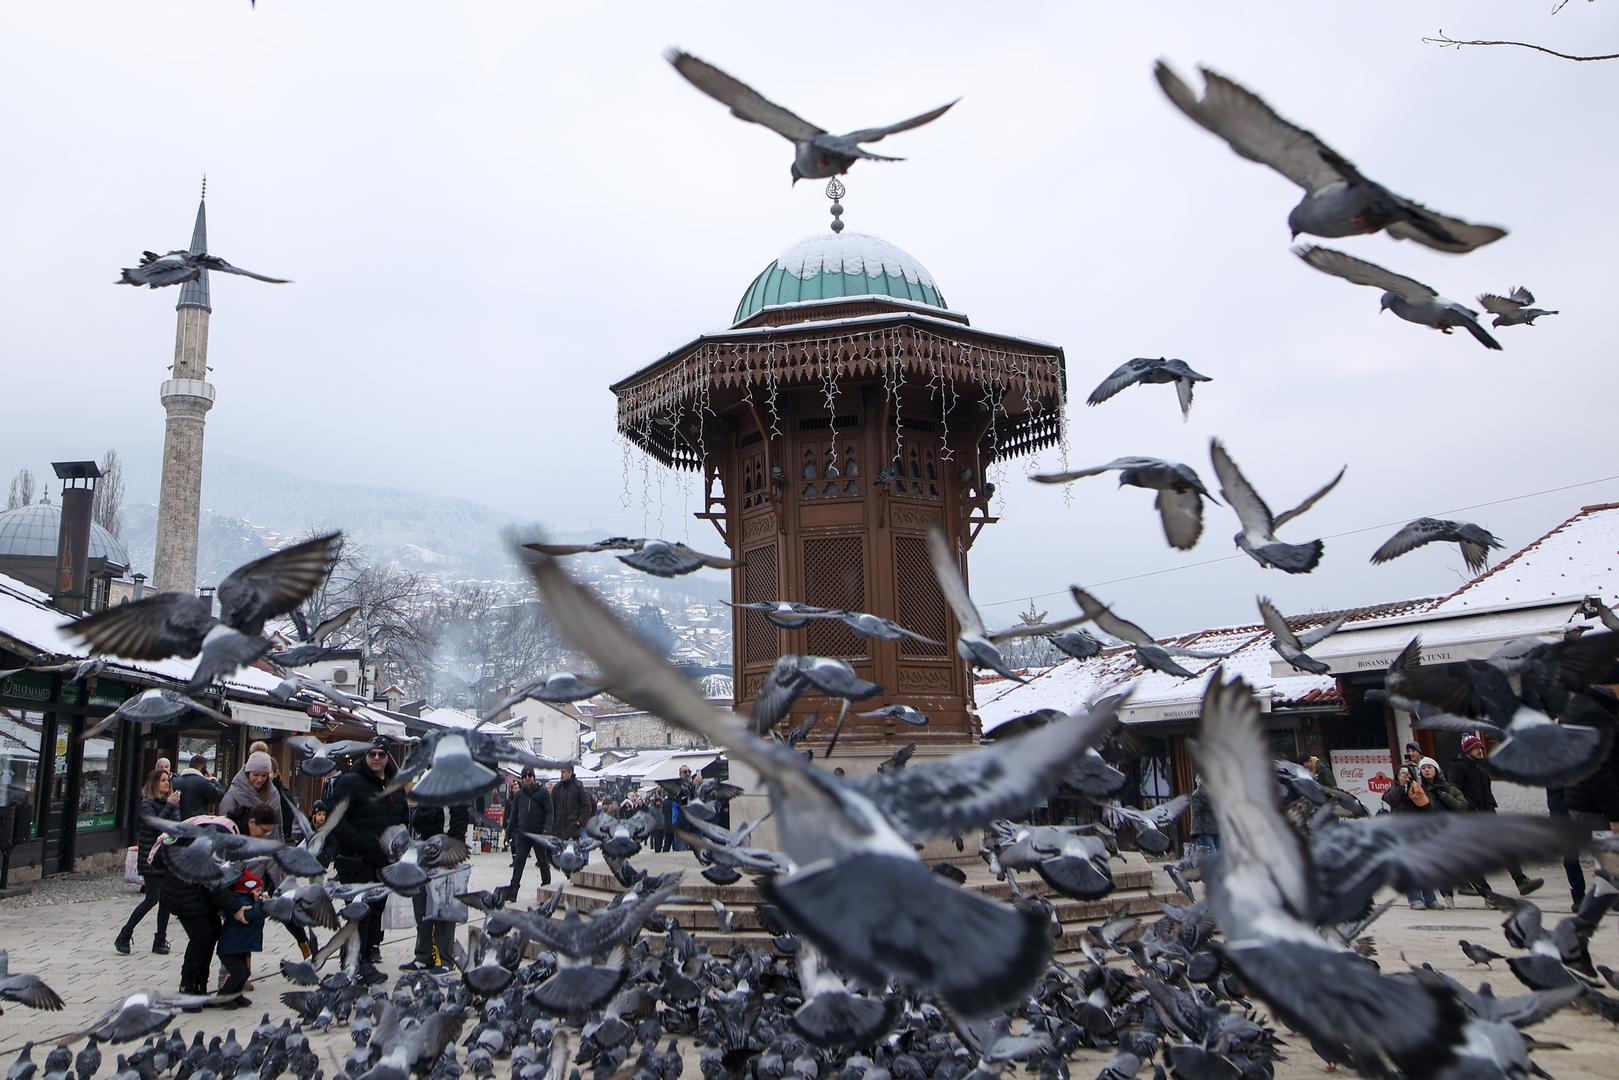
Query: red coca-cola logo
1380	783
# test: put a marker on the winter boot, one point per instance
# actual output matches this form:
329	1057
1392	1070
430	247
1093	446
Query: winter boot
1528	885
121	942
160	945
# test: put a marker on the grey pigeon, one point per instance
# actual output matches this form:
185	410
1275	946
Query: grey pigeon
1074	642
879	628
25	989
1338	199
1262	894
792	675
1149	825
312	647
557	688
903	713
1259	525
1144	369
817	154
140	1014
155	706
848	859
174	267
1180	492
1407	297
787	614
1290	646
1149	653
1478	954
175	624
320	757
660	558
1474	541
411	859
1513	309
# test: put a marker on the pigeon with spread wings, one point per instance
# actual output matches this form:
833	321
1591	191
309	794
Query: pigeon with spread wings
1180	492
175	267
817	153
1146	369
660	558
1407	297
1149	653
1259	525
1514	309
1291	646
1475	541
1338	199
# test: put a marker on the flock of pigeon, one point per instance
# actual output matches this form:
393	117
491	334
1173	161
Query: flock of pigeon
881	966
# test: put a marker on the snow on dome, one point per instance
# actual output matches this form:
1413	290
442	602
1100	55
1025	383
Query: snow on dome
832	266
33	531
853	253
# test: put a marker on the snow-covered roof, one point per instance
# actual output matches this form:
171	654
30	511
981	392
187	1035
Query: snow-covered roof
28	617
1578	558
455	719
852	253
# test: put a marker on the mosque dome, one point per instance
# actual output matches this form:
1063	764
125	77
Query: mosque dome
834	265
32	531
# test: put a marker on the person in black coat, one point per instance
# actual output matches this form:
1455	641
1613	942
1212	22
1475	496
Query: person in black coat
1469	773
358	852
159	799
198	793
201	910
528	810
571	806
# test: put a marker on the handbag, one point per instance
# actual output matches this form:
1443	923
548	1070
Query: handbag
442	905
398	914
132	863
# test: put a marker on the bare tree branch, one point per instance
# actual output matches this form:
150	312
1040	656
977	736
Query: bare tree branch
1446	42
107	507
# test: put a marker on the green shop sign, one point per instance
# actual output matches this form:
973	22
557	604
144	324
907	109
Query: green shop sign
98	821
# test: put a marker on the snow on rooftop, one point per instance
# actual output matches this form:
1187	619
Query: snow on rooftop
852	253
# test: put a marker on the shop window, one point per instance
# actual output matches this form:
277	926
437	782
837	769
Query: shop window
98	780
21	732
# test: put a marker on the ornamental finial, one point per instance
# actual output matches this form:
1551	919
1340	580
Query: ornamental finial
835	191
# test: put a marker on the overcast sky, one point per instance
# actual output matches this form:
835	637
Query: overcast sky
492	211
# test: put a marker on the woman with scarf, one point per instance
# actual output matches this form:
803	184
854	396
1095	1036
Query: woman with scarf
249	788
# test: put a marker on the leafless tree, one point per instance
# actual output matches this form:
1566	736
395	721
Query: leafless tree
22	490
485	640
1031	652
108	508
1445	41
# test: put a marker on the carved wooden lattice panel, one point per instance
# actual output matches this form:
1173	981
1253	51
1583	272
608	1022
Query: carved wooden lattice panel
758	583
918	602
835	577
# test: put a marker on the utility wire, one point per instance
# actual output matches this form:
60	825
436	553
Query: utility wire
1330	536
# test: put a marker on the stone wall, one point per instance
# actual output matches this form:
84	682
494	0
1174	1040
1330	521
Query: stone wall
642	732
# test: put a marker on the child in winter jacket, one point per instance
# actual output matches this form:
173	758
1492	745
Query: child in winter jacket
242	935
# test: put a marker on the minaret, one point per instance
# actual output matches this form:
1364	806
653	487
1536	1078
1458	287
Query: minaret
187	395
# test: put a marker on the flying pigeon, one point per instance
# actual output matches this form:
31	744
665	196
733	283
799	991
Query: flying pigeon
1592	607
173	267
1290	646
1149	653
817	154
1258	535
450	767
660	558
1262	894
1338	199
1074	642
1474	541
1144	369
832	1014
1149	825
1073	860
879	628
792	675
140	1014
156	706
558	688
848	861
24	989
411	859
787	614
1180	492
175	624
297	683
903	713
320	756
1407	297
1513	309
312	647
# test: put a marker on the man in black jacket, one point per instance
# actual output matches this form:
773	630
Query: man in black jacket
571	806
198	794
358	835
1468	772
528	810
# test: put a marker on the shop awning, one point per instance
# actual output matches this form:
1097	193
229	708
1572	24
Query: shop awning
669	768
294	721
1469	634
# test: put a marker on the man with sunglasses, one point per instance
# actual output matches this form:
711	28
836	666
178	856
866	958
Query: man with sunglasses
358	836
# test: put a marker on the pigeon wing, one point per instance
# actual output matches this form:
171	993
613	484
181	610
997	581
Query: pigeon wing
1104	618
1236	490
1182	515
877	133
1278	625
158	627
1323	632
1440	231
328	627
1412	536
1126	374
971	789
1361	272
214	262
744	101
1037	629
1499	305
950	583
718	562
277	583
1252	128
1288	515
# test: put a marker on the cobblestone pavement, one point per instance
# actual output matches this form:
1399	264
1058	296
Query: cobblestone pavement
63	932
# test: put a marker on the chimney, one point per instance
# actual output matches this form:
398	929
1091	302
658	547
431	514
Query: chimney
73	539
139	591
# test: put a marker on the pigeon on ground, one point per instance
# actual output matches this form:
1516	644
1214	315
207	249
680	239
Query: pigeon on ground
1407	297
660	558
1149	653
306	972
1259	525
155	706
787	614
320	757
1262	893
174	267
848	859
1338	199
24	989
175	624
484	970
1180	492
1478	954
974	643
817	154
1290	646
1144	369
1513	309
1474	541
